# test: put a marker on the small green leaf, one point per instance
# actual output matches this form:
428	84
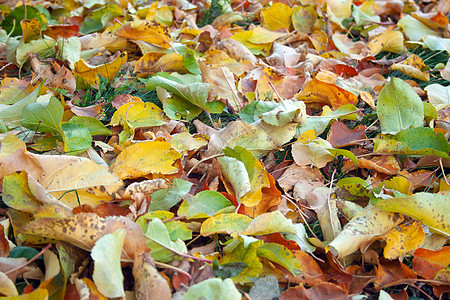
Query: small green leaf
43	118
166	198
280	255
93	124
159	241
191	63
205	204
77	138
194	92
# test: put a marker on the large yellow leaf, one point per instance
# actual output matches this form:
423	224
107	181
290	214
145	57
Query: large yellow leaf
143	159
91	73
149	31
277	16
403	240
138	114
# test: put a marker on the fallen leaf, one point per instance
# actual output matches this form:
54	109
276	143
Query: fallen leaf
106	254
159	157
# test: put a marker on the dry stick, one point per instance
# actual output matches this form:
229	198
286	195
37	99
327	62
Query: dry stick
179	253
234	93
279	97
30	261
163	265
202	161
443	172
306	223
329	196
25	8
212	121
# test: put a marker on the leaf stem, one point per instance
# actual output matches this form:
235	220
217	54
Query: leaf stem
179	253
30	261
163	265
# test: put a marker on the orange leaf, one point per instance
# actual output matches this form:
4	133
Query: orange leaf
149	31
427	263
317	94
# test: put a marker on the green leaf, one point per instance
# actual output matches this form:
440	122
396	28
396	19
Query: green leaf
320	123
252	111
69	50
225	223
166	198
432	210
399	107
195	92
270	222
424	137
10	114
191	63
176	107
43	118
238	250
93	124
205	204
414	141
97	19
176	229
213	288
159	241
77	138
228	270
280	255
106	254
22	251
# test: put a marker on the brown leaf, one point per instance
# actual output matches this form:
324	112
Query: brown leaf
149	284
390	273
340	135
323	290
317	93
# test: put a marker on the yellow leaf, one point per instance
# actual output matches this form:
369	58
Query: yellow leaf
91	73
149	31
413	67
138	114
31	30
277	16
143	159
225	223
403	240
390	41
399	183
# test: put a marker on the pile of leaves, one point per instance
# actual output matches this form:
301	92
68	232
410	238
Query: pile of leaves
224	149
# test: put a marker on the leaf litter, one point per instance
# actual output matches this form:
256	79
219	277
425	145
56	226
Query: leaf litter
224	149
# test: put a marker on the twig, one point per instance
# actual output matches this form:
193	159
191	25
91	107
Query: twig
30	261
163	265
279	97
202	161
179	253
